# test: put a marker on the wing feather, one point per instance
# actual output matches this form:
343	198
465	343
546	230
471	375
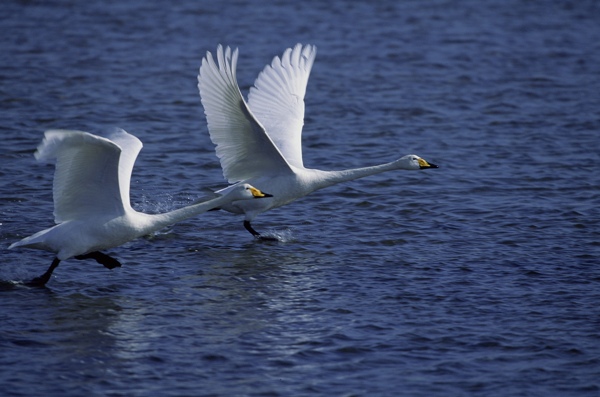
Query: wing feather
277	99
242	145
86	179
130	148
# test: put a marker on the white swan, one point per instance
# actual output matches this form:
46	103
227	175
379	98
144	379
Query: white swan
91	198
259	141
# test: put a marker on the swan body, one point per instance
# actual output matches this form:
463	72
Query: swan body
91	196
259	141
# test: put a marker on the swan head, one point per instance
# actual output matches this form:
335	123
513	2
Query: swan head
245	191
414	162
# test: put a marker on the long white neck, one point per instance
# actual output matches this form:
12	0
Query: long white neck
159	221
329	178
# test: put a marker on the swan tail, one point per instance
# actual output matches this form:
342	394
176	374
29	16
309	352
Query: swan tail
36	241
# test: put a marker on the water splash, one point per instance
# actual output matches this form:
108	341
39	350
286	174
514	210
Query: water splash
282	236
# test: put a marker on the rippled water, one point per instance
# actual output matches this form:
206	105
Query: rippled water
478	278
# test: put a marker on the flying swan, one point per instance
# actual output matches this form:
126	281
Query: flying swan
92	210
259	141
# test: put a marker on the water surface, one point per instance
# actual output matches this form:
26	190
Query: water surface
478	278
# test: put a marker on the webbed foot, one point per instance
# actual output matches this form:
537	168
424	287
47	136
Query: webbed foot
103	259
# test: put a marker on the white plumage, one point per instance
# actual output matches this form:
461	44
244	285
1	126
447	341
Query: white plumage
260	141
92	209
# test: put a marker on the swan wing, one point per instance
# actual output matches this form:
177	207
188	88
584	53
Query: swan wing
130	148
242	145
86	179
277	99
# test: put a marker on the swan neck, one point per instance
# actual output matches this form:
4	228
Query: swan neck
335	177
181	214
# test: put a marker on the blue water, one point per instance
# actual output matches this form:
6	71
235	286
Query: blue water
480	278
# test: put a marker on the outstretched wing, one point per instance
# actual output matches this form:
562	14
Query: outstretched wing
88	167
277	99
130	148
242	145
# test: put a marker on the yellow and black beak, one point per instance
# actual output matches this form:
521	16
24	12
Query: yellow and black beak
425	165
258	194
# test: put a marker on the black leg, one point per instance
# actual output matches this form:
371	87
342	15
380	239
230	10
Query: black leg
103	259
44	278
249	228
256	234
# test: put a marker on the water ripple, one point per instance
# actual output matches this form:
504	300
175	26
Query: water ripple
478	278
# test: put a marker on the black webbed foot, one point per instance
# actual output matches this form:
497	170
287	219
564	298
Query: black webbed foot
37	282
103	259
44	278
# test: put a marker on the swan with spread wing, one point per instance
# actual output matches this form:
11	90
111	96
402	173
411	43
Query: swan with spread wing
260	141
92	210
